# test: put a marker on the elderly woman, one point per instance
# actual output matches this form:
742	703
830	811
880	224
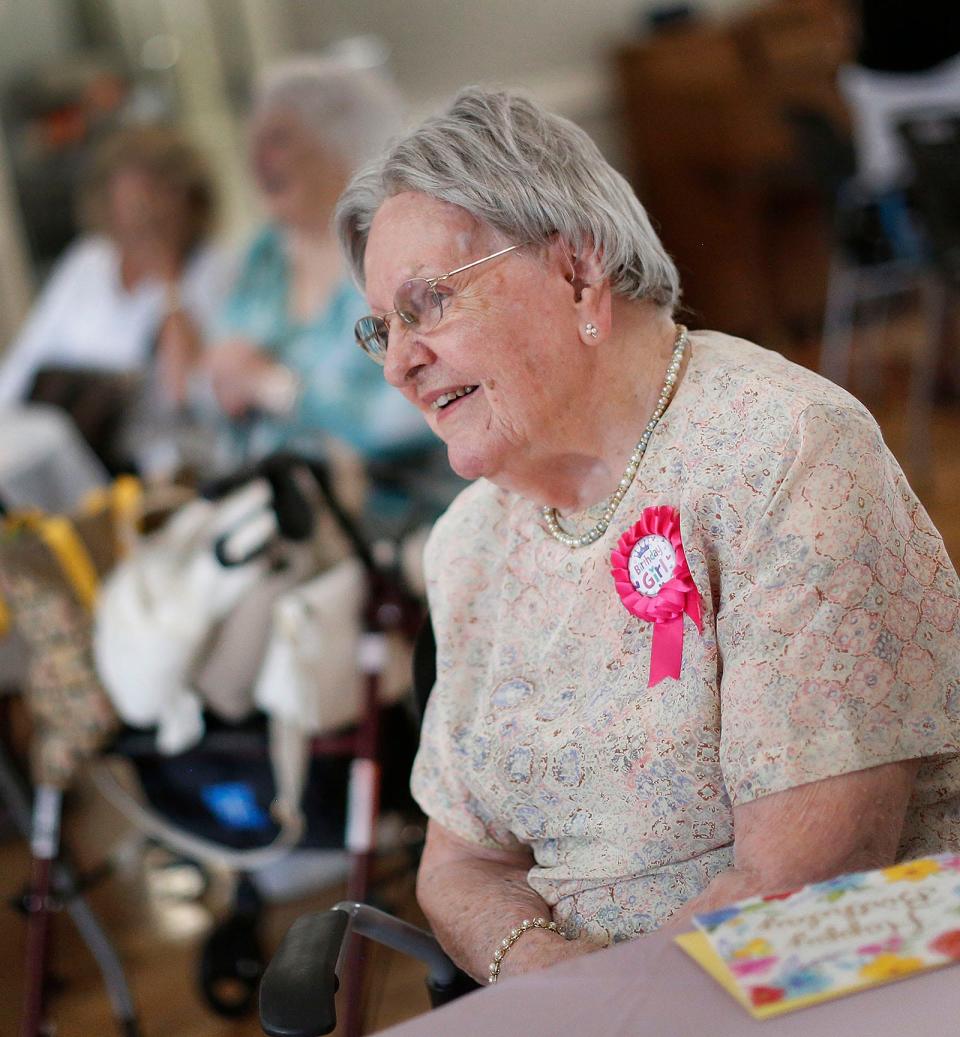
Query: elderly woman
285	362
142	282
697	639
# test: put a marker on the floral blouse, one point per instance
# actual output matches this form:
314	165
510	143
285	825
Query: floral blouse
829	645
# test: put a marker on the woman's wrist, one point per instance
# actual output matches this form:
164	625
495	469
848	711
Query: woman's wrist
533	932
172	298
278	390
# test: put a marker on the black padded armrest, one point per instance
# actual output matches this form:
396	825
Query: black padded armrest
299	986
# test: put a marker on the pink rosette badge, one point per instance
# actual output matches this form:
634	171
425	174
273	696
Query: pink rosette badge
653	580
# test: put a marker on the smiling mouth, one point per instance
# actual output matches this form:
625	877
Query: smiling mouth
450	397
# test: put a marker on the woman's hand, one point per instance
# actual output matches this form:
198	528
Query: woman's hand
814	832
245	378
473	896
539	949
179	350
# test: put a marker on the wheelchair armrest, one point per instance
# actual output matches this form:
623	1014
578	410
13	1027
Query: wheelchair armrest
400	936
298	988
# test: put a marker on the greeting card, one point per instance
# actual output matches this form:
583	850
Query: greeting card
781	952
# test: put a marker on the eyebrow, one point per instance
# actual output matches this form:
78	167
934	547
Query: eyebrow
403	279
449	273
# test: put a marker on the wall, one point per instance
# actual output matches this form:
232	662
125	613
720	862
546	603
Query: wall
32	31
437	46
557	49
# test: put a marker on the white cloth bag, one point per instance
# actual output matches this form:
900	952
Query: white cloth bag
157	609
311	677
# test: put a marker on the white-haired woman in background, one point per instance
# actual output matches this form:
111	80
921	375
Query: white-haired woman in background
286	361
697	638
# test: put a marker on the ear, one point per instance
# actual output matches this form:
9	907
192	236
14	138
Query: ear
581	266
592	296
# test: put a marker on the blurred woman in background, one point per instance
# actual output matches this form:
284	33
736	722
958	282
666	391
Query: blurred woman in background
141	278
286	369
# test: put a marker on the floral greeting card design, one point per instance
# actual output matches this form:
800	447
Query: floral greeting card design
784	951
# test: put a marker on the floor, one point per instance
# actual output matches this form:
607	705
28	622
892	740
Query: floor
158	928
158	918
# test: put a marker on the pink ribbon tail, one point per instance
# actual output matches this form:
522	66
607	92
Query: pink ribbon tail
666	650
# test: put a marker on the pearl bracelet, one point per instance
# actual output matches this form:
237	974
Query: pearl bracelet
515	934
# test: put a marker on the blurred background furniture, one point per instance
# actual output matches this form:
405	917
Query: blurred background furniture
52	118
932	141
876	261
888	248
715	161
44	463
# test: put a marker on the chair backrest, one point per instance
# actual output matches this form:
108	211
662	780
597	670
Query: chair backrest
424	665
879	102
933	143
96	400
825	150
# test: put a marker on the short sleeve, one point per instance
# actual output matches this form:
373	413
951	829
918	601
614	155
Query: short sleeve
452	754
37	341
438	784
206	283
255	305
838	624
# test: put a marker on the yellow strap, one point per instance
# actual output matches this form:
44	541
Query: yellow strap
127	504
66	546
97	499
127	495
59	535
124	497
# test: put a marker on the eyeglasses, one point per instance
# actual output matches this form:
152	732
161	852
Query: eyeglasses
417	303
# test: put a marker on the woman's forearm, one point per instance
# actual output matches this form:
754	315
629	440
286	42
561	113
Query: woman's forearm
473	896
473	905
725	889
810	833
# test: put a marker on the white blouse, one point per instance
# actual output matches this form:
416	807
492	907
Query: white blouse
84	317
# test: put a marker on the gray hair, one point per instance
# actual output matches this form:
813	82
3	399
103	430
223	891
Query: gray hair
350	109
526	173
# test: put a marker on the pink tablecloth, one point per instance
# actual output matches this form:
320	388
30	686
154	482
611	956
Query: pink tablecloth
650	988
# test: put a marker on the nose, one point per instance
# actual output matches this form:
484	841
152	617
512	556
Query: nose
407	354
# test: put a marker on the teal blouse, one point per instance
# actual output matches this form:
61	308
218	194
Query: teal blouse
344	393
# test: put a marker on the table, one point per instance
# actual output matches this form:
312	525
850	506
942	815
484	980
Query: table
44	462
650	988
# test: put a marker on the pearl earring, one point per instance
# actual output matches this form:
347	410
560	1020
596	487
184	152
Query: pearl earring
591	330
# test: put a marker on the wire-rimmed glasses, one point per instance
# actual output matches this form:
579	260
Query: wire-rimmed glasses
417	303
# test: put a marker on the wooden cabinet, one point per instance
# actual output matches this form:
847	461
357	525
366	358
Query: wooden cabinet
705	117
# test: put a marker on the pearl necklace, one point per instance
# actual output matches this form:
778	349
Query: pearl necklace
550	515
